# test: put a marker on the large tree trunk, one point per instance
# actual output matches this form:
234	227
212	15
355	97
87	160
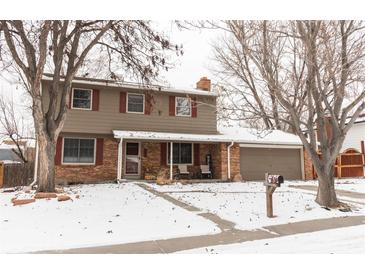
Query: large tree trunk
46	179
326	195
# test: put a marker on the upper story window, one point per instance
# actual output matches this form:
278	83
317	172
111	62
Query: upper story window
135	103
81	98
183	106
78	151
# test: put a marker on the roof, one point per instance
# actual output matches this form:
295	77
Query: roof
130	85
360	119
238	135
254	136
8	155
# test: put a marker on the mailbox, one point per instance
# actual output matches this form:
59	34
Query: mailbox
274	180
271	183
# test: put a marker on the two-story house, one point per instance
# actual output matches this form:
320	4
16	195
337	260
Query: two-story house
128	131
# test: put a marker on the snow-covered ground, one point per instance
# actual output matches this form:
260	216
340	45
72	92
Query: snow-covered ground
245	203
340	240
104	214
349	184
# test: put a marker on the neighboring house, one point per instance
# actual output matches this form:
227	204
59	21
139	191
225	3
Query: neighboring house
127	131
8	149
7	155
354	143
355	137
351	160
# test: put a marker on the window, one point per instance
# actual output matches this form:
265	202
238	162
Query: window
81	98
135	103
78	151
182	153
183	106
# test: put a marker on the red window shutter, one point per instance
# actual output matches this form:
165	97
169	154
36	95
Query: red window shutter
122	102
99	151
163	154
147	104
172	105
194	108
96	95
58	156
196	154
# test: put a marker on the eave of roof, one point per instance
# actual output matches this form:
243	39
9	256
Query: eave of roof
186	137
127	85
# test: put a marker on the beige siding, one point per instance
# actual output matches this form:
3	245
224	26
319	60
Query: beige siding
108	117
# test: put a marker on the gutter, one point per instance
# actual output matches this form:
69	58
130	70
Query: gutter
229	159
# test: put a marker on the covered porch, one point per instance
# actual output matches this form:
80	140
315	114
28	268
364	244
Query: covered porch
158	156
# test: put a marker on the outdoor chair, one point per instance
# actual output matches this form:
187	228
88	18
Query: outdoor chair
182	171
205	172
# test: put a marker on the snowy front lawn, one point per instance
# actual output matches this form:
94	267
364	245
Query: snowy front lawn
245	203
104	214
340	240
349	184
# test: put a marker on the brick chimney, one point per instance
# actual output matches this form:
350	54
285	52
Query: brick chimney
203	84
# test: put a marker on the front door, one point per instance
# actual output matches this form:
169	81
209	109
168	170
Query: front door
132	155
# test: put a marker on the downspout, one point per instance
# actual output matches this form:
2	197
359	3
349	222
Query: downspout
35	164
171	163
120	160
229	159
35	176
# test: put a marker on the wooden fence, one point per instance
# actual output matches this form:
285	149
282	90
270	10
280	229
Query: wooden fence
16	174
348	164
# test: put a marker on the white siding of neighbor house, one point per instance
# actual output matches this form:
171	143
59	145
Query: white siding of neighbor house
354	137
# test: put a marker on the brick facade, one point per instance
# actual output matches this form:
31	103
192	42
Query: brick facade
92	173
151	160
308	166
221	166
150	163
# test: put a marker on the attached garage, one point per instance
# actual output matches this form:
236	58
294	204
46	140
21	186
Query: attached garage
256	160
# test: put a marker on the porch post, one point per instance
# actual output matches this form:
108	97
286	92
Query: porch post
120	160
171	161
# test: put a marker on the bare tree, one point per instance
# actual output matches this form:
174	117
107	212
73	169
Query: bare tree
14	127
69	48
299	76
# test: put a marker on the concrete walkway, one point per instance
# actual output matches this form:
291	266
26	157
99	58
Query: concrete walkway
226	237
229	234
340	192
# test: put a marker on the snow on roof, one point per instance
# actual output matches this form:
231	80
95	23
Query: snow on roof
254	136
9	162
360	119
166	136
238	135
109	83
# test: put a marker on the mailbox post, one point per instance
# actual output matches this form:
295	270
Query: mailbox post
271	183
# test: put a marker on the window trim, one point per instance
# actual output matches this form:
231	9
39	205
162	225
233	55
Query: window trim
135	112
78	163
192	153
181	115
91	99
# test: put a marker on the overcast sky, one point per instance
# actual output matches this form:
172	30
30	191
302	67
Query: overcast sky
196	60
